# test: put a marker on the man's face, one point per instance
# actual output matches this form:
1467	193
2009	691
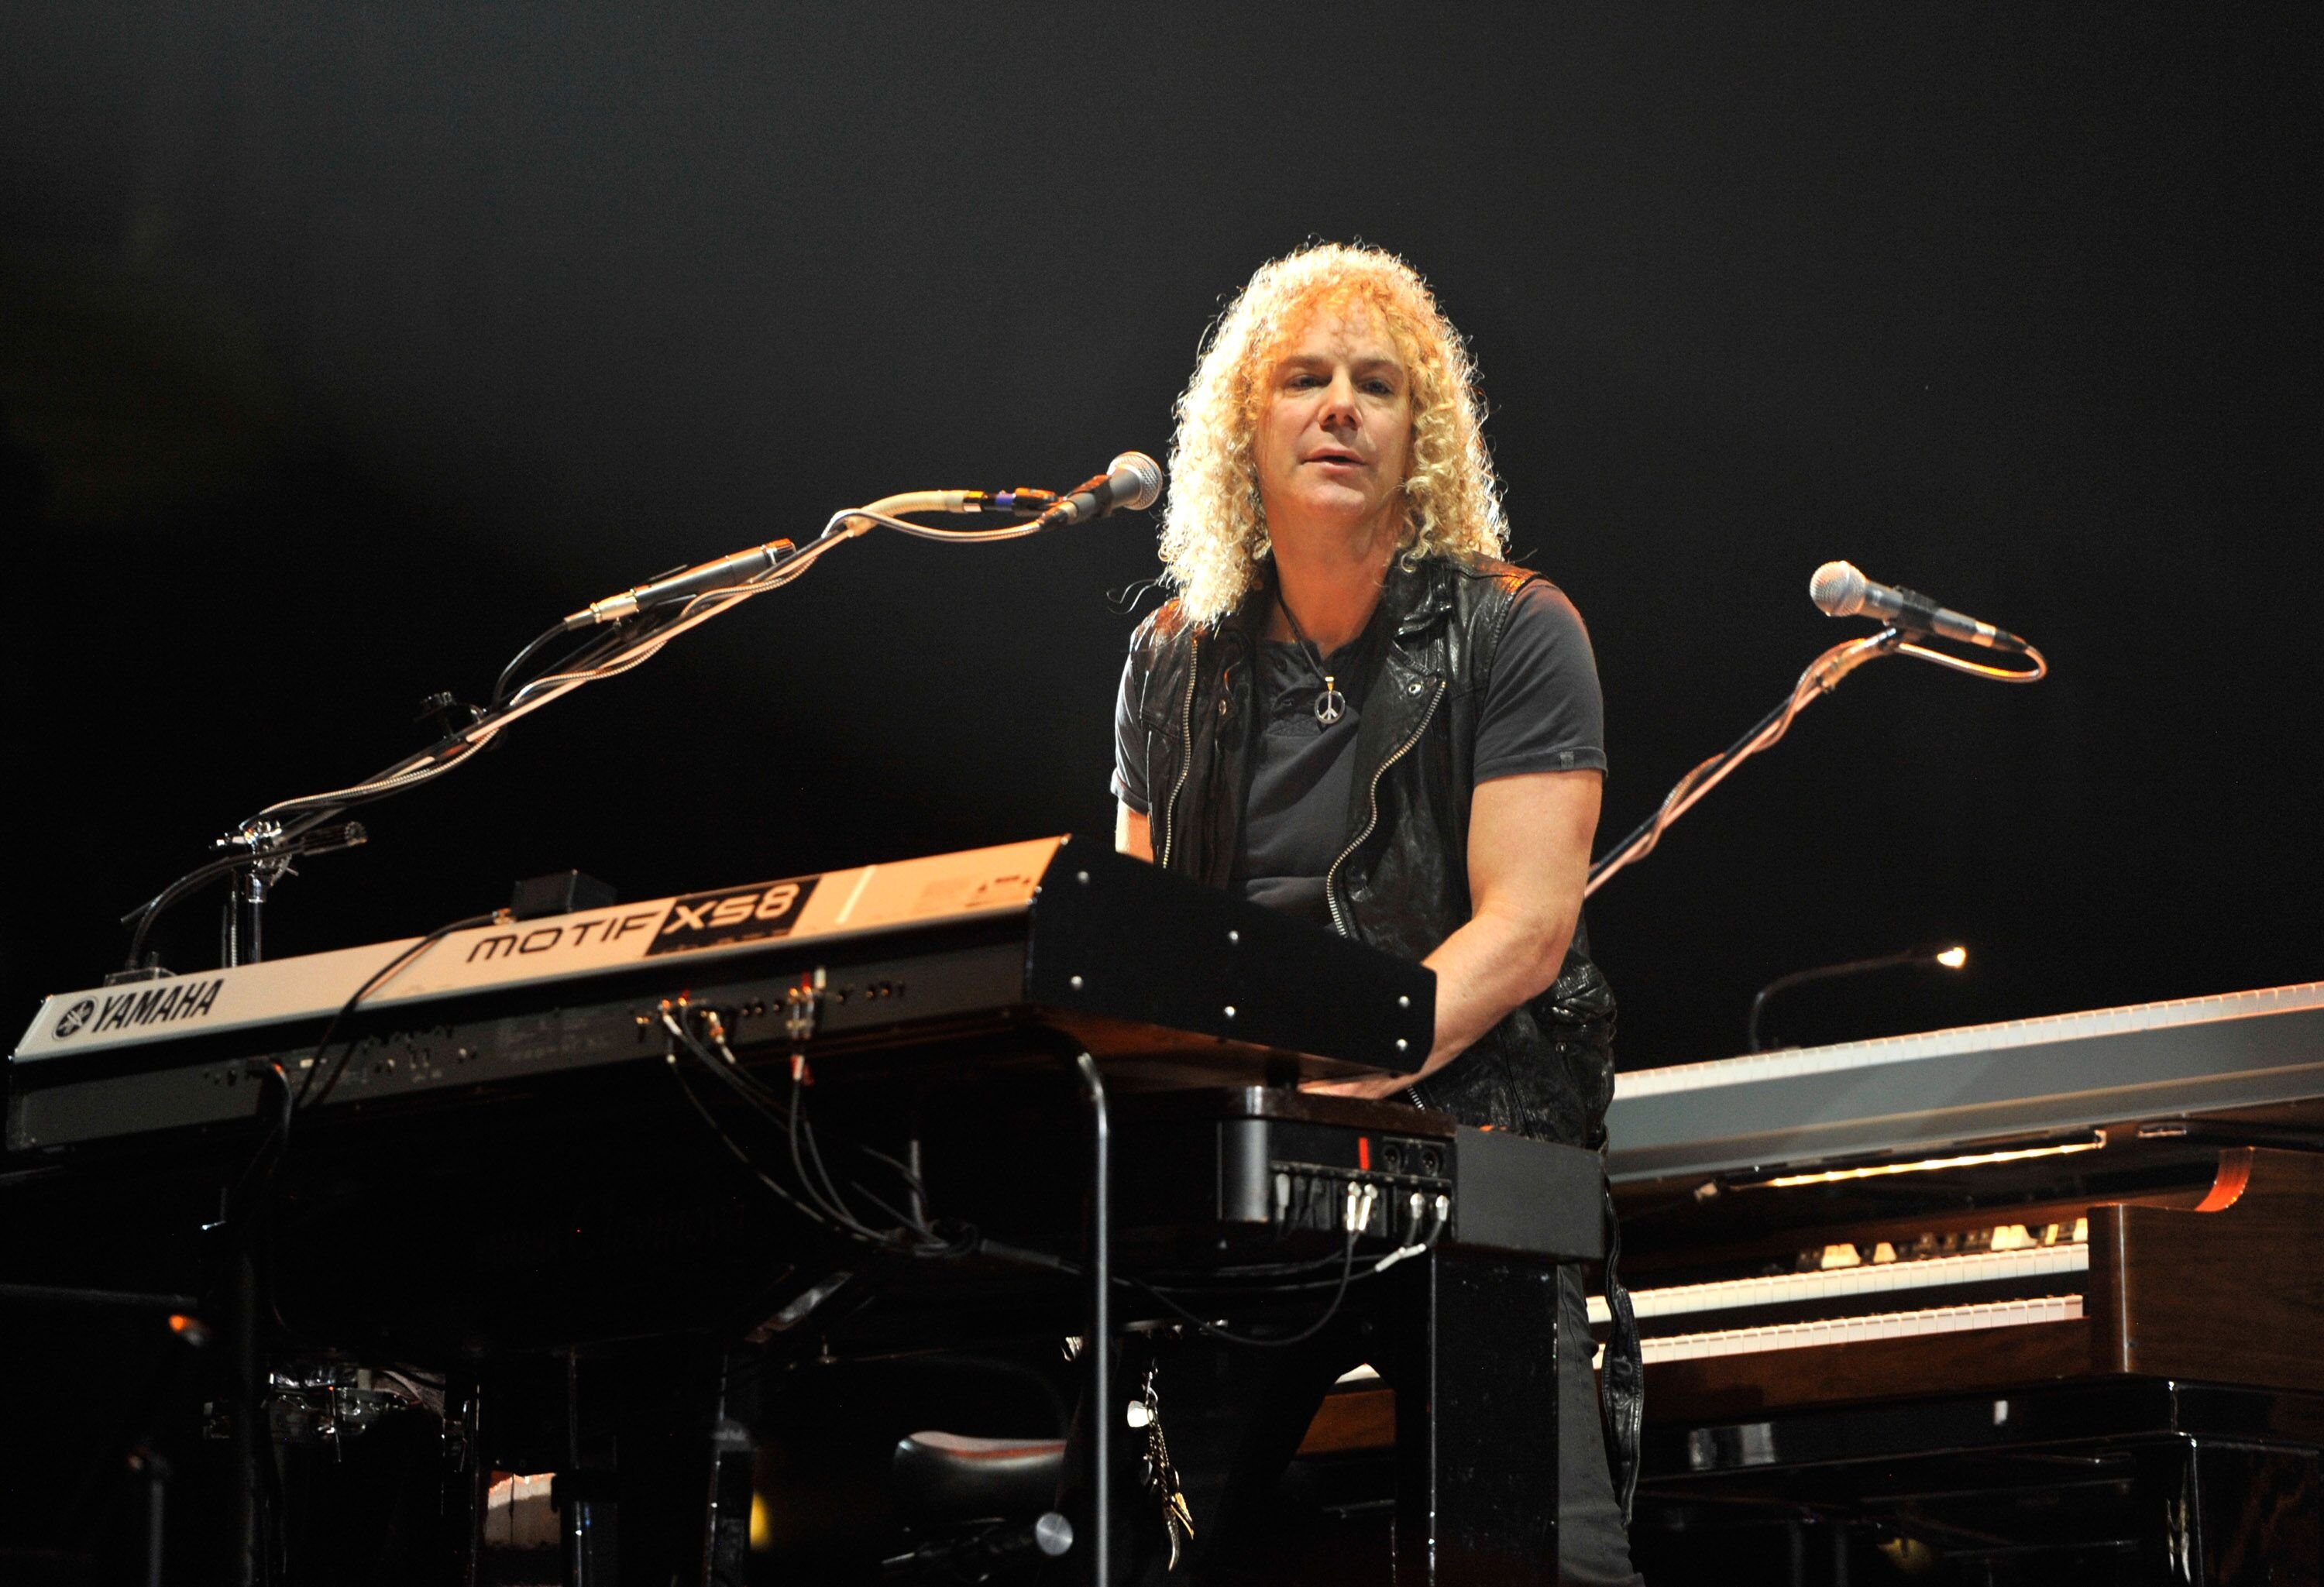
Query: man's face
1335	427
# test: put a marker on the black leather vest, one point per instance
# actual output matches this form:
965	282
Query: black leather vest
1401	881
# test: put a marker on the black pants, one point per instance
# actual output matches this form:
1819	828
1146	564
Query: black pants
1234	1414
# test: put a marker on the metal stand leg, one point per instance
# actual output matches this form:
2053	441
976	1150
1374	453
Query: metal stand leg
1477	1424
153	1471
726	1523
467	1474
250	1442
587	1494
241	940
1100	1337
589	1527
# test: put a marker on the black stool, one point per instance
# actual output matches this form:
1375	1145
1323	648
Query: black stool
981	1506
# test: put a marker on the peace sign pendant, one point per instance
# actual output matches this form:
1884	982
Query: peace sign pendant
1330	705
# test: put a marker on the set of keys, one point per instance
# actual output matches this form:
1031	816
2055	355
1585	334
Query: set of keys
1159	1472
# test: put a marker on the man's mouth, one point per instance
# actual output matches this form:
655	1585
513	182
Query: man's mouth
1348	457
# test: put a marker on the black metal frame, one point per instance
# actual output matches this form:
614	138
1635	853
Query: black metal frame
2134	1473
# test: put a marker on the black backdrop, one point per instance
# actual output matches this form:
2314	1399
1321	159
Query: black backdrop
346	346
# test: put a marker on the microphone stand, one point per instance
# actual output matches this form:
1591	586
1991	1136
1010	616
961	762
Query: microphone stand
1822	676
258	854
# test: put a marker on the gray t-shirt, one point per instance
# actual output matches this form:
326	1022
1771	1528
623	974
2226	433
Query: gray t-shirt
1542	713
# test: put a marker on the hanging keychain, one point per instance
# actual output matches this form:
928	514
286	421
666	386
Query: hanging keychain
1160	1473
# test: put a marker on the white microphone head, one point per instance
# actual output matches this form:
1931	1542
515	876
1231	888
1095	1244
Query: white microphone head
1146	472
1838	589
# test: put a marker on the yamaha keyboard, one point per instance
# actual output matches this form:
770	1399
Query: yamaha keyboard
1166	982
518	1183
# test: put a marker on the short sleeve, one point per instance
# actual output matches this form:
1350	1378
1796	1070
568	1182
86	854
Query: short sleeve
1130	746
1543	711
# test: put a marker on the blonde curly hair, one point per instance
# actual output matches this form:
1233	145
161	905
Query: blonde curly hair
1214	527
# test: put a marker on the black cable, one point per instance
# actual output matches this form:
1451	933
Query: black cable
401	960
1216	1331
752	1094
798	1164
150	910
765	1102
787	1119
755	1092
277	1132
747	1086
902	1170
618	638
501	685
814	1148
1247	1275
741	1156
933	1241
830	1208
276	1142
904	1221
594	646
969	1240
834	1211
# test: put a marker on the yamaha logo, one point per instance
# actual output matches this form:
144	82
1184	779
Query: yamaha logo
173	1002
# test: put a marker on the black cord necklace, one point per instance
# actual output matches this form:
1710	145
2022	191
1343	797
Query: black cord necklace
1330	705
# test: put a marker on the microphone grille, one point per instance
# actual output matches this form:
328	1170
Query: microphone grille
1838	589
1149	475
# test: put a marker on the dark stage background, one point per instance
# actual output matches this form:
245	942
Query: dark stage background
345	347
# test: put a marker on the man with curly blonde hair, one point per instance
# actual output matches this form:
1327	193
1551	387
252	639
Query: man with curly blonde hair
1353	711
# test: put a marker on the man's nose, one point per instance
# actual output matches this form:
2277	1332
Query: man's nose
1339	403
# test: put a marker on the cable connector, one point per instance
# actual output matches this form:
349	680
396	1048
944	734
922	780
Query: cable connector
1020	503
800	1002
1422	1245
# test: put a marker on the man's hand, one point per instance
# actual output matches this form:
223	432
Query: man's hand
1380	1088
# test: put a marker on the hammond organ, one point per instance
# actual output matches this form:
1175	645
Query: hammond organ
2039	1297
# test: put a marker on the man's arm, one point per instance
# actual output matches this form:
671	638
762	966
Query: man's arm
1133	834
1528	857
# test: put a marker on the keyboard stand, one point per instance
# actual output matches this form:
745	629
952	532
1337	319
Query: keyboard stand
1476	1485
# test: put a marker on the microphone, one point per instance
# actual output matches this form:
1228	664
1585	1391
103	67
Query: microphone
1840	590
724	573
1131	481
